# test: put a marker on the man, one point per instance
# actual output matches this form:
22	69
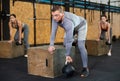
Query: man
70	23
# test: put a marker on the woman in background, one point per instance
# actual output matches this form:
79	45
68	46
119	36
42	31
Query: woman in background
105	32
21	28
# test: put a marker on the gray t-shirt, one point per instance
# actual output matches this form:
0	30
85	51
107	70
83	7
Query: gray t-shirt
70	21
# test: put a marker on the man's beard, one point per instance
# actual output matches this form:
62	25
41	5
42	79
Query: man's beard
60	21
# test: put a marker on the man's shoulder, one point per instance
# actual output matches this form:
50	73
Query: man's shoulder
66	12
69	14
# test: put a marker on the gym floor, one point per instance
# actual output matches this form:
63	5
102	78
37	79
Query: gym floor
102	68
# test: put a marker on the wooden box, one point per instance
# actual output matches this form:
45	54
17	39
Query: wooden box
10	50
96	48
42	63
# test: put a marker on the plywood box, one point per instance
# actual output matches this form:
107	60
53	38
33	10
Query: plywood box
10	50
96	48
42	63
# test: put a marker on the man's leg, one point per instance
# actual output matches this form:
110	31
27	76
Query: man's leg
83	52
82	33
84	57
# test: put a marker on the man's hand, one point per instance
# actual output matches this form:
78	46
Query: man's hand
69	59
51	49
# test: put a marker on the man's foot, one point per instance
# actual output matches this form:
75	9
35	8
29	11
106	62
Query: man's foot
109	54
84	72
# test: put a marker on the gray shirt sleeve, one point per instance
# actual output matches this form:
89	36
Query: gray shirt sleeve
53	32
69	36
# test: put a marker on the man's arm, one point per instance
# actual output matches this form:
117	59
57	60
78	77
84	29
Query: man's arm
53	32
51	48
69	41
69	38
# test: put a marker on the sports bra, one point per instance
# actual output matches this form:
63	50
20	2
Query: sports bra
104	29
17	27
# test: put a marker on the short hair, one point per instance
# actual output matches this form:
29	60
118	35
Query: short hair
13	15
56	7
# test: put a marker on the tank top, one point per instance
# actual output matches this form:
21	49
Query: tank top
16	26
104	29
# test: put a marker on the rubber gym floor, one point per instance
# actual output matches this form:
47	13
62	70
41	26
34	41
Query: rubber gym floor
102	68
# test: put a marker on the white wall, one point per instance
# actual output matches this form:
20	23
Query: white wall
106	2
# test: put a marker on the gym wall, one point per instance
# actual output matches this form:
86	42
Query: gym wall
0	17
116	24
24	12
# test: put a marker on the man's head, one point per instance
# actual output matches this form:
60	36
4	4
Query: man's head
57	13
